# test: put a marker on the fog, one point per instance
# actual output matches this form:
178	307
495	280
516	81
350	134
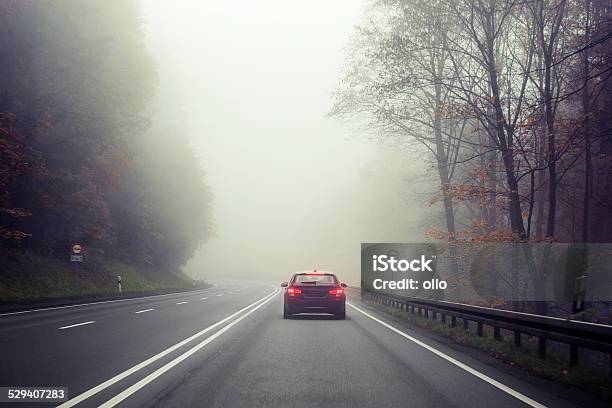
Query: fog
251	83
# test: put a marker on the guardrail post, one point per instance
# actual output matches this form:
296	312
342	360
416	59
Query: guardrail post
434	315
517	338
453	321
426	313
497	333
541	347
479	329
466	324
443	318
573	355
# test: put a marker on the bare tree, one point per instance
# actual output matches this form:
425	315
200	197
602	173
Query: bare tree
396	78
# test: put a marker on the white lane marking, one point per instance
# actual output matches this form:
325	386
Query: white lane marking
75	325
102	386
204	298
219	295
143	311
160	371
98	303
181	303
458	363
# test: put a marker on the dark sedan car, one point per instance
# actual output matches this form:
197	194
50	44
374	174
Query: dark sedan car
314	292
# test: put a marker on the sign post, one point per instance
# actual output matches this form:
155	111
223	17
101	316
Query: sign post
119	283
76	257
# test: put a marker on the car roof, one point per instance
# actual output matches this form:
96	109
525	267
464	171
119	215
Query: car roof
314	271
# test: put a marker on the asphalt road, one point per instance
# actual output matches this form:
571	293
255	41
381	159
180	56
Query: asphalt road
228	346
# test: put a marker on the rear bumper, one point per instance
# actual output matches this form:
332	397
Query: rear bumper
299	305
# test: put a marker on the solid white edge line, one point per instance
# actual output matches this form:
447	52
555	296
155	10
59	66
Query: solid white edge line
92	391
458	363
75	325
143	311
160	371
99	303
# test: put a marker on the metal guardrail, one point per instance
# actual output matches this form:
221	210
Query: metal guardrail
575	333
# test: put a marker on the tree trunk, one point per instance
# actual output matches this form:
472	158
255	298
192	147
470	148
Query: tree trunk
586	112
442	164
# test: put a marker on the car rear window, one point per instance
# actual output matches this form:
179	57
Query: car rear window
315	279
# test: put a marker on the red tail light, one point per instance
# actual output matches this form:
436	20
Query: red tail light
293	291
337	292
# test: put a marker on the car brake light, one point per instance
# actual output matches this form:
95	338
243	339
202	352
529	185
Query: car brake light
337	292
293	291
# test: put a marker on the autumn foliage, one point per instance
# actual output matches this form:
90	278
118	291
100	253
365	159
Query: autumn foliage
508	101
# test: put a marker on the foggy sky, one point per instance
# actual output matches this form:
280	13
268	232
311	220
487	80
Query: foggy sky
251	82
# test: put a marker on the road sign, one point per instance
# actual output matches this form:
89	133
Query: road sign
76	258
77	248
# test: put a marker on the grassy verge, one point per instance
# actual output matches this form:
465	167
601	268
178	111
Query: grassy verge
554	367
27	277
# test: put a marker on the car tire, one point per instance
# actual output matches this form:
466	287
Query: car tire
341	315
286	315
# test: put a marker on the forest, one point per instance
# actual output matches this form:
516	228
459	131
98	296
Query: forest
84	154
510	101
